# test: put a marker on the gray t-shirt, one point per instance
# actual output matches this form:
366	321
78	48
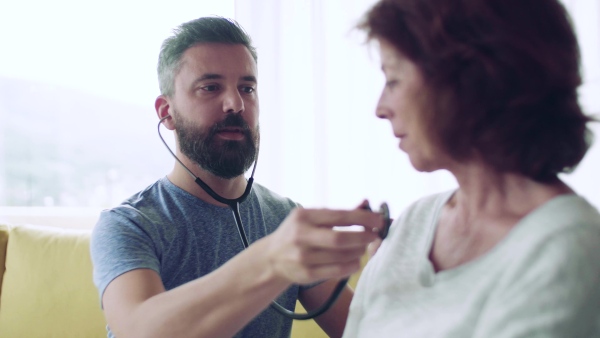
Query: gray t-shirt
541	280
182	238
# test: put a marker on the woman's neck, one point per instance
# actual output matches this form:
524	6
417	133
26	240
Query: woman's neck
485	192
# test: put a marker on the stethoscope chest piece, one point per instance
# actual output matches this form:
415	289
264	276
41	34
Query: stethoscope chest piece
384	211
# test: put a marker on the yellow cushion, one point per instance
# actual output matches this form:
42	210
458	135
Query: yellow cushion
48	289
3	242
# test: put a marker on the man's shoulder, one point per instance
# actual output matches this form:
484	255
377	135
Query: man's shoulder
149	197
270	197
133	207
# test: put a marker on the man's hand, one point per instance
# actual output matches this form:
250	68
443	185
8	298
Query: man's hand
373	247
305	248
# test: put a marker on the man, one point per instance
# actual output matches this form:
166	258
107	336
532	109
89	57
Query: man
168	262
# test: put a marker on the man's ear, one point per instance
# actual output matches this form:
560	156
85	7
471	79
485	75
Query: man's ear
162	106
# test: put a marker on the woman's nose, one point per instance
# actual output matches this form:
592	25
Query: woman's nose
381	112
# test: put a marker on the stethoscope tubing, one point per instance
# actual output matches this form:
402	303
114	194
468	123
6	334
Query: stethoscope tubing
234	205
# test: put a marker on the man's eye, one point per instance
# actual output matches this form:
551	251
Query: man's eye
248	90
210	88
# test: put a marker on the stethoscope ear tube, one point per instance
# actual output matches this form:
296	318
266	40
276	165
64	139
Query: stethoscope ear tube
310	315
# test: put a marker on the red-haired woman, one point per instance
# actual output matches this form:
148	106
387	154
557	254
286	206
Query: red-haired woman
486	89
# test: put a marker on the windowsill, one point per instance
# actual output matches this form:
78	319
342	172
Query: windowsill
62	217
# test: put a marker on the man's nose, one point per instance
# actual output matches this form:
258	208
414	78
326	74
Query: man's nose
233	102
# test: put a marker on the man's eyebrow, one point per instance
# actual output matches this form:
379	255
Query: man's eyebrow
249	78
208	76
204	77
213	76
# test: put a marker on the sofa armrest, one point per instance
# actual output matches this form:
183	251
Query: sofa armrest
4	229
47	289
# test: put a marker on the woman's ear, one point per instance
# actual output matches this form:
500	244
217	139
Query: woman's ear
162	106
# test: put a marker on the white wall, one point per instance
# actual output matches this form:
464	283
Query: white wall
321	143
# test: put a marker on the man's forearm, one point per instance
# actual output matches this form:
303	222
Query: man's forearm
218	304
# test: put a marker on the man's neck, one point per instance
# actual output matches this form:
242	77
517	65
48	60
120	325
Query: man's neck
226	188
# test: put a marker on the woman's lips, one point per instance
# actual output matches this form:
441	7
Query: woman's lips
400	137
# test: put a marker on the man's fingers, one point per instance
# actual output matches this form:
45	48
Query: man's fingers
330	218
328	238
364	205
324	256
373	247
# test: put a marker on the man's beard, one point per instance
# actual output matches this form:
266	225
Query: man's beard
222	158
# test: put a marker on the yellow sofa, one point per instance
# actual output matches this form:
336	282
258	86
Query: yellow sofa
46	284
46	287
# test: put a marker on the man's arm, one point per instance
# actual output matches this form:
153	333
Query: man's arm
303	250
218	304
333	320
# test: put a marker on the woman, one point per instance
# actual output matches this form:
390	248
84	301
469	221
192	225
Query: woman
486	89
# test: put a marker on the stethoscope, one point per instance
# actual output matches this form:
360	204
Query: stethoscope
234	205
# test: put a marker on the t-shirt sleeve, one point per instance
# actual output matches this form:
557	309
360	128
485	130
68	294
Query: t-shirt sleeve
553	293
118	245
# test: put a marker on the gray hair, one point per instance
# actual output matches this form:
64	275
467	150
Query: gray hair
213	29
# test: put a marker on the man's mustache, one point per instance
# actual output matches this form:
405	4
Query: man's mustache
232	120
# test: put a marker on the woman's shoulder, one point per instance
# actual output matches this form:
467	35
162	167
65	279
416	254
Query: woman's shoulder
420	217
564	214
561	235
427	206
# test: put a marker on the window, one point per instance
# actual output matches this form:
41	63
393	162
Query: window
77	89
78	82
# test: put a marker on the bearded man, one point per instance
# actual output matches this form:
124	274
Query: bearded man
168	261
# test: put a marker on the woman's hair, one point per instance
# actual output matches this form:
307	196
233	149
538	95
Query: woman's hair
501	78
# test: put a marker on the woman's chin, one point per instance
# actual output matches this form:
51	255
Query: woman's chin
423	165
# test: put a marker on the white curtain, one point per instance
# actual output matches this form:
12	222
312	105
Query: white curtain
321	142
585	15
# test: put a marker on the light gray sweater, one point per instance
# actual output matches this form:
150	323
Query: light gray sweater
541	280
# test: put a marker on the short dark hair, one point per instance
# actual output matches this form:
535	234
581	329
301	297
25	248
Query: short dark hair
212	29
501	77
